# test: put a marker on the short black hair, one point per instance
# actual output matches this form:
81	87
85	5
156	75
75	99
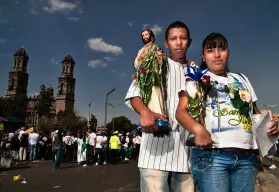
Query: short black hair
177	24
211	41
214	40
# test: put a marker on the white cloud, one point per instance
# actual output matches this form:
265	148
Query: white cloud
155	28
34	6
98	44
73	18
145	25
3	40
3	21
60	5
32	94
131	24
53	61
97	63
122	74
109	59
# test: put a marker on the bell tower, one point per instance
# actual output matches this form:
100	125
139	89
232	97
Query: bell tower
18	76
65	98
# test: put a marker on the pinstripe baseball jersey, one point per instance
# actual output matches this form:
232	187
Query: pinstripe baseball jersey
169	152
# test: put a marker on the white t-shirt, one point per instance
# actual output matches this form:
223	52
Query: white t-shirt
137	139
127	139
92	136
33	138
69	140
232	129
99	141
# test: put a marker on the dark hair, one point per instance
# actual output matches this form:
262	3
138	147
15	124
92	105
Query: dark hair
59	134
176	24
213	40
152	35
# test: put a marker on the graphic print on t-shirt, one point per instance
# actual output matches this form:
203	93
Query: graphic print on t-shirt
225	117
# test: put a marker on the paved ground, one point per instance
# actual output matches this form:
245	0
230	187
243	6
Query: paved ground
70	178
106	178
268	181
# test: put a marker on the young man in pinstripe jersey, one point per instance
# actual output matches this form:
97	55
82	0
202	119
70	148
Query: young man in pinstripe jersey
163	161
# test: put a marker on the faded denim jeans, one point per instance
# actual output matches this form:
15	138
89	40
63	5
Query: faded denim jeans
224	171
33	149
165	181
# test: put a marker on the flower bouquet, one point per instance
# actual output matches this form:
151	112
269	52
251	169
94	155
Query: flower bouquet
197	87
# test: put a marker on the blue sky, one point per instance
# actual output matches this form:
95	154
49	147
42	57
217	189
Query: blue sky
104	36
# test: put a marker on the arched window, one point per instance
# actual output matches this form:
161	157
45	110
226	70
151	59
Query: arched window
68	69
68	89
23	64
12	83
61	88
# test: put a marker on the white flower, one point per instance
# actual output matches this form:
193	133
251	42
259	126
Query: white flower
231	95
245	95
192	89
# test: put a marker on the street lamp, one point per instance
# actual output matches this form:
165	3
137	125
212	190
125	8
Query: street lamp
89	114
106	103
271	108
113	105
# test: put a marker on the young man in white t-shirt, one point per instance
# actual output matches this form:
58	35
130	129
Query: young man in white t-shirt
90	142
33	141
99	148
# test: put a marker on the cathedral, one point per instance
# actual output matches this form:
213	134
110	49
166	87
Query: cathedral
18	84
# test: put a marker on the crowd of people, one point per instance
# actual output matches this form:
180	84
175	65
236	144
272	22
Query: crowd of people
88	148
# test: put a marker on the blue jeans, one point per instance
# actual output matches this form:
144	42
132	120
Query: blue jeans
165	181
33	149
58	154
224	171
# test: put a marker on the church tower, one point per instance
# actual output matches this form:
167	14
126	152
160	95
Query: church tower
18	76
65	98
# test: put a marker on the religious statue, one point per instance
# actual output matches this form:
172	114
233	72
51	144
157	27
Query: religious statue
151	66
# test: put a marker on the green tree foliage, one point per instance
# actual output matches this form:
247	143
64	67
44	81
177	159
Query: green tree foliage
122	123
45	100
13	107
93	121
70	121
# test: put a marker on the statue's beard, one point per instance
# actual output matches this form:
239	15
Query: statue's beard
145	41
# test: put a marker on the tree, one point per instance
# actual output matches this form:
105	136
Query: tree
121	123
71	121
13	107
93	121
45	100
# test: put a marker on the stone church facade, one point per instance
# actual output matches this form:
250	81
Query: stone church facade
18	85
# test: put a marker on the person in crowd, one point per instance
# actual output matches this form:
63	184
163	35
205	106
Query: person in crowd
81	149
33	143
23	146
57	148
